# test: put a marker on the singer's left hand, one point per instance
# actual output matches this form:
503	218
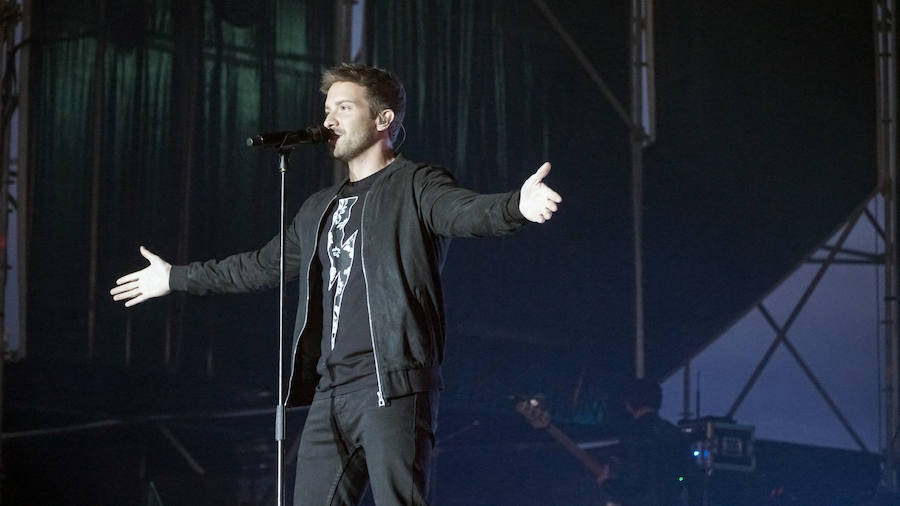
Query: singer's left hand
537	201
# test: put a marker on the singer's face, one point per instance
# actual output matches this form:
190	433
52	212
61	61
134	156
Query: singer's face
348	116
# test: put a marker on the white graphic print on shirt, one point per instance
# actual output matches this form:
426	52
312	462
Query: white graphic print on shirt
341	250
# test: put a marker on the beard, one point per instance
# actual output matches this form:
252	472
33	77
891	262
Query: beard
349	145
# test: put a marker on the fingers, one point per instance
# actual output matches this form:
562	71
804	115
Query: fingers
148	255
124	287
546	213
538	176
551	199
134	276
136	301
128	294
552	195
537	180
147	283
131	293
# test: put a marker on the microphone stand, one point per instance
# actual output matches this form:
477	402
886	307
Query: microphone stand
284	153
286	142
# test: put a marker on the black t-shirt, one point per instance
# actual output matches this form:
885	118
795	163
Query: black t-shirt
652	458
347	362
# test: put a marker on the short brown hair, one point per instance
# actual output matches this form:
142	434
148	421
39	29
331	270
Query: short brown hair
384	90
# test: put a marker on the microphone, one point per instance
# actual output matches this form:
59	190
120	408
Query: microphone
310	135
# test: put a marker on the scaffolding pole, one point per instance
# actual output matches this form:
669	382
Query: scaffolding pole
641	124
886	146
642	134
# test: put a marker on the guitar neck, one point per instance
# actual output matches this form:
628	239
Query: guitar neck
599	470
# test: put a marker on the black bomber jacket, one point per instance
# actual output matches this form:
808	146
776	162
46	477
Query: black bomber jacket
408	215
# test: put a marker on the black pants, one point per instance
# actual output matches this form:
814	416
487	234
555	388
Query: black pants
349	441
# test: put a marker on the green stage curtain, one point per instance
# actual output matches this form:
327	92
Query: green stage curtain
142	109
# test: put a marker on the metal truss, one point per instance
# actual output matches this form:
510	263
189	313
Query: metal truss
829	255
781	331
640	121
886	103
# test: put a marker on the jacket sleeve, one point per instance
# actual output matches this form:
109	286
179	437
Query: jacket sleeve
452	211
242	272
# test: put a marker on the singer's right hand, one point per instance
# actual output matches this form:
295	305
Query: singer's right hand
151	281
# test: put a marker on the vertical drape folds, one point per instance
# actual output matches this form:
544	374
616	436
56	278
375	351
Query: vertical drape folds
494	92
184	84
470	80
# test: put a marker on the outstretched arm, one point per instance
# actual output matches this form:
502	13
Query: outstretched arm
151	281
537	201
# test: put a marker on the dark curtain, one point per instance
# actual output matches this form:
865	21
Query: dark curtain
765	144
493	93
754	131
154	99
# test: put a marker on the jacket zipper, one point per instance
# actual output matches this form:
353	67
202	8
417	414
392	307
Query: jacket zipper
306	313
362	257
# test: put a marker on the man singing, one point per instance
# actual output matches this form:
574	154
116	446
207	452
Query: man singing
370	325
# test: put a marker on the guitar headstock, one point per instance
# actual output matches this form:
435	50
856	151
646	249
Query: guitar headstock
533	411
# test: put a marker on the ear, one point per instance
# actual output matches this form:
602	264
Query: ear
384	120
